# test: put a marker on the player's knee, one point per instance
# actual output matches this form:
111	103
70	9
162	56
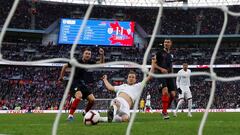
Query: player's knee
125	118
91	101
78	94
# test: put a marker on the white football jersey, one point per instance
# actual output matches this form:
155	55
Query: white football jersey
132	90
184	78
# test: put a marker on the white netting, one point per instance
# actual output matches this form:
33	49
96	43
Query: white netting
143	67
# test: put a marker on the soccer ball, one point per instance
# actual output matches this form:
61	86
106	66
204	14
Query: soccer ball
91	118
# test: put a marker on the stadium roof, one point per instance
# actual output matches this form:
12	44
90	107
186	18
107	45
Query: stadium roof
152	3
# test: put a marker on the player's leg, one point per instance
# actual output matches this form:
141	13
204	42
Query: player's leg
165	102
121	118
76	101
147	107
172	91
150	107
123	113
165	97
112	110
87	94
189	107
123	110
91	100
181	100
189	98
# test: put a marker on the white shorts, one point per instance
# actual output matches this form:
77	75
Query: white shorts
148	104
186	93
124	106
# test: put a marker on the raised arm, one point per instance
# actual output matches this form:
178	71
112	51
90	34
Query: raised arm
65	66
152	69
101	56
107	84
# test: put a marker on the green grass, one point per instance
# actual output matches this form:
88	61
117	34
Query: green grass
145	124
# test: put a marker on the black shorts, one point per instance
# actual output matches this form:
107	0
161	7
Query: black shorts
80	86
167	82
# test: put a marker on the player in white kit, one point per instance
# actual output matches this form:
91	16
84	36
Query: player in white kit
183	84
119	110
148	103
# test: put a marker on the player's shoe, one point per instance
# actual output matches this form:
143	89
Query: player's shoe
110	113
174	114
70	118
165	116
189	115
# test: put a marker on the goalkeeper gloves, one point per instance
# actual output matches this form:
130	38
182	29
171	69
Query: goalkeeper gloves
179	91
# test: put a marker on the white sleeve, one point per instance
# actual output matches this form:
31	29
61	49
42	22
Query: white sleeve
141	85
190	77
178	80
117	88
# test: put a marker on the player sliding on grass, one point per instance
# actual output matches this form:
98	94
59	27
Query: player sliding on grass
119	110
79	88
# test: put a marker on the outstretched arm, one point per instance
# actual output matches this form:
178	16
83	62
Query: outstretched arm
101	56
107	84
65	66
152	69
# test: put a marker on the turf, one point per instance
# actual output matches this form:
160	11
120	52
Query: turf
145	124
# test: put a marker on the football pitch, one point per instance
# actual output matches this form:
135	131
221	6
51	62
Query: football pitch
145	124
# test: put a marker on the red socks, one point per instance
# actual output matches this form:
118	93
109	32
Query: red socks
170	101
165	102
74	105
89	106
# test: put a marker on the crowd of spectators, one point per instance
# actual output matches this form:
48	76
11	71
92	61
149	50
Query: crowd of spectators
38	88
175	21
193	55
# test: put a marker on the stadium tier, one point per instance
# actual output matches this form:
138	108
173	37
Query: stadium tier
177	22
38	87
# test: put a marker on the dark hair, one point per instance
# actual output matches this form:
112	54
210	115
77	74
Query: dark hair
132	72
168	39
87	49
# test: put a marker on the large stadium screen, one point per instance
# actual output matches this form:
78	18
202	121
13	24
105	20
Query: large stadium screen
97	32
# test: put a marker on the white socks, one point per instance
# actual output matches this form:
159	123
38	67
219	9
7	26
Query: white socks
179	104
115	110
189	105
103	119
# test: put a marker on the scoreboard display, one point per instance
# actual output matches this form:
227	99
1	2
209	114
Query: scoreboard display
97	32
